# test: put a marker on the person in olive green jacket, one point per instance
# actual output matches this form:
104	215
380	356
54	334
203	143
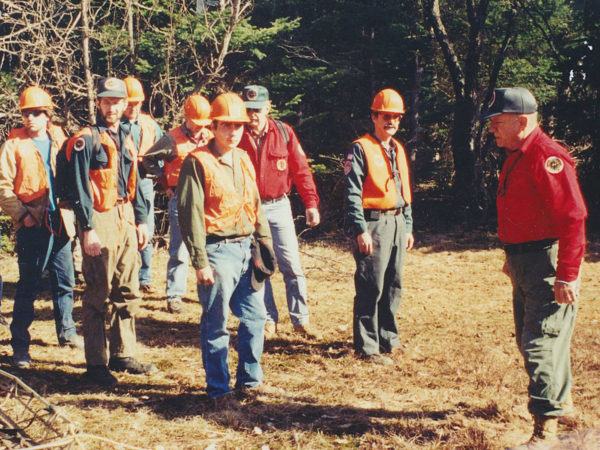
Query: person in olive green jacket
219	213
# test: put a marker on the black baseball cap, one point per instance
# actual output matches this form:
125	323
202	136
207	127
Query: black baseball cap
514	100
111	87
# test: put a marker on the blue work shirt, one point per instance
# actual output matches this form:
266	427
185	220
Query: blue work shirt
43	147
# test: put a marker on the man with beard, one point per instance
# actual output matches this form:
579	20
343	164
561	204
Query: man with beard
111	217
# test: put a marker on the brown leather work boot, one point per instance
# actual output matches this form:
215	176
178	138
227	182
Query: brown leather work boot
544	428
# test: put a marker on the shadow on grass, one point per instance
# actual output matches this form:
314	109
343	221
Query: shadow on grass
273	409
328	349
273	412
157	333
48	377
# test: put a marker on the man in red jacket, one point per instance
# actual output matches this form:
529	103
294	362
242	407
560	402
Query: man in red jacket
541	221
279	160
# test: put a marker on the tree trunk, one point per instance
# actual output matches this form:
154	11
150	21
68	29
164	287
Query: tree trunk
463	149
131	41
85	44
412	143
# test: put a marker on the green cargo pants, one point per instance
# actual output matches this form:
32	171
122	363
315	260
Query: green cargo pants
543	329
112	287
378	283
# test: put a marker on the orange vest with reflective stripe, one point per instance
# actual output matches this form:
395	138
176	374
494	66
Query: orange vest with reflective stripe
31	182
147	134
103	182
183	146
379	187
224	207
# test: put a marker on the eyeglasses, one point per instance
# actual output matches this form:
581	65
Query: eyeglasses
389	116
33	112
253	110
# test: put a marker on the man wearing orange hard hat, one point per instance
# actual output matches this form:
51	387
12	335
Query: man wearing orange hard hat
163	160
28	195
145	133
379	217
219	214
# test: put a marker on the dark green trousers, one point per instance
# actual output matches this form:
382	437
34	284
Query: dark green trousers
378	283
543	329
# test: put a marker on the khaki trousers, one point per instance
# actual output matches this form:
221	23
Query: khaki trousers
112	287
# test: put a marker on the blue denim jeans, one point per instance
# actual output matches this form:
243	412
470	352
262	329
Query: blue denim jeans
177	267
232	290
285	245
147	188
37	249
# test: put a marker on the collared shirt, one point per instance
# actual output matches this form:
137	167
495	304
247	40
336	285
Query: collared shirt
43	146
278	164
354	180
539	198
190	207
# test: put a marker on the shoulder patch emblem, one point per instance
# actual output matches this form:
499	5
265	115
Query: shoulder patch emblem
79	144
347	167
281	164
554	164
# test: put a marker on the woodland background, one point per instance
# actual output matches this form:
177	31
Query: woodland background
322	61
458	380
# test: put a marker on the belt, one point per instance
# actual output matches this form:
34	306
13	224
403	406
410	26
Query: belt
224	240
374	214
528	247
268	201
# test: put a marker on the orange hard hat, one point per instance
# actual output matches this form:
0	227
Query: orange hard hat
135	91
388	100
34	97
229	107
197	109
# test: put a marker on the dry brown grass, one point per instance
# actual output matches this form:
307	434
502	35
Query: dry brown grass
457	381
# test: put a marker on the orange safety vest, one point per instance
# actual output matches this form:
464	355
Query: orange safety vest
379	187
224	207
183	146
147	134
31	182
103	182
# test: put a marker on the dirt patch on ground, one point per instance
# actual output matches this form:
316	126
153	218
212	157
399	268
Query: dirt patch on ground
457	381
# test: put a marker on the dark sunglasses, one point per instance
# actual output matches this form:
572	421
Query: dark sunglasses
33	112
388	116
253	110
